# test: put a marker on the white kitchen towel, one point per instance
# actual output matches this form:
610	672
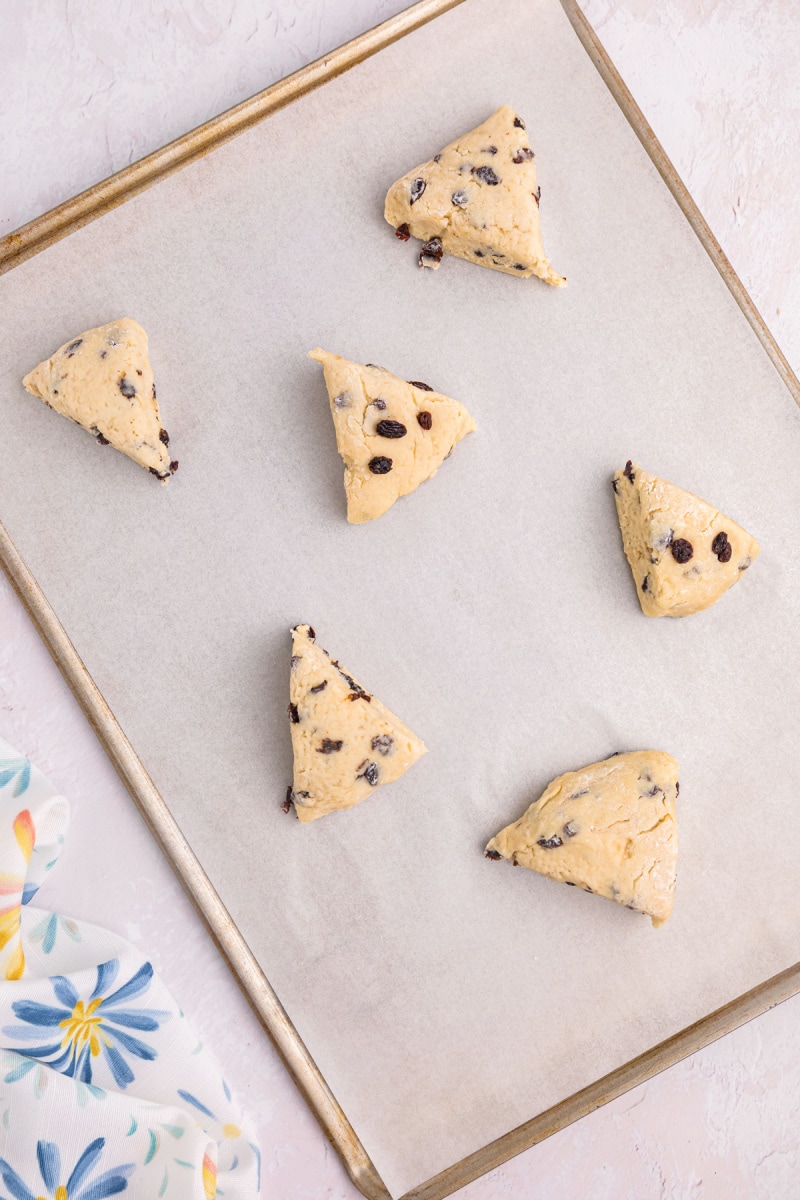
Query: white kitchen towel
104	1086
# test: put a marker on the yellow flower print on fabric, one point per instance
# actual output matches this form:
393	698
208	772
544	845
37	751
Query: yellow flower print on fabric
12	883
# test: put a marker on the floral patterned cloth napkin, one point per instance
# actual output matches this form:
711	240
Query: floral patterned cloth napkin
104	1086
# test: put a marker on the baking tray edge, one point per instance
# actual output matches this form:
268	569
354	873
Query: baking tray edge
43	231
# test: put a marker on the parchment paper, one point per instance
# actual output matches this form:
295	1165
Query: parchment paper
445	998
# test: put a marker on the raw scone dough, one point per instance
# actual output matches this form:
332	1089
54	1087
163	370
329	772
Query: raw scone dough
683	553
345	743
103	380
609	829
391	434
478	200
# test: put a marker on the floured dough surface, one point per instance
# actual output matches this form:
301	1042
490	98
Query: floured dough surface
479	200
683	552
102	379
346	743
609	828
392	434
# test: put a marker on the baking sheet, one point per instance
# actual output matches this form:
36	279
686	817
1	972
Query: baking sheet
445	999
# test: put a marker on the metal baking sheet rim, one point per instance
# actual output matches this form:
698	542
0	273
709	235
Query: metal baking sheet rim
43	231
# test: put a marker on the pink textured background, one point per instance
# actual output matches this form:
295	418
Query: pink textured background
87	89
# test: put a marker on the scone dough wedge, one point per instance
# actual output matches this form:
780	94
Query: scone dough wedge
609	828
479	200
345	742
683	552
392	435
102	379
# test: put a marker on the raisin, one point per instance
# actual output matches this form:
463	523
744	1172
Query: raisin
523	155
682	550
583	792
645	583
478	253
164	437
159	474
402	232
424	419
329	747
628	472
138	372
295	659
493	855
518	124
103	353
391	429
311	635
490	150
654	790
437	157
294	715
342	400
383	743
379	404
460	198
677	788
173	466
537	195
570	829
569	883
103	441
127	388
486	175
380	465
550	843
722	547
520	267
424	387
359	694
433	248
417	188
347	678
73	346
289	801
614	486
154	390
319	688
370	772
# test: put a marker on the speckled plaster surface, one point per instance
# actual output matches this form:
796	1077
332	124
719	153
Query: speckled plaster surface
88	88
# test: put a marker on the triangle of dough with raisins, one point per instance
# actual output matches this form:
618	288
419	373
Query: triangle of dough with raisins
103	380
683	552
610	828
478	199
345	742
392	435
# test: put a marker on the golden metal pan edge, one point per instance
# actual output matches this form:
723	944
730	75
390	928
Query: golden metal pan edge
43	231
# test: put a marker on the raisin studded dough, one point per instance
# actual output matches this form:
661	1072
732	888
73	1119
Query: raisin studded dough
683	553
345	743
103	380
391	434
477	200
609	828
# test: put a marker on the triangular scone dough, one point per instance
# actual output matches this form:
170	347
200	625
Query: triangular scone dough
391	434
683	553
478	200
103	380
609	829
346	744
